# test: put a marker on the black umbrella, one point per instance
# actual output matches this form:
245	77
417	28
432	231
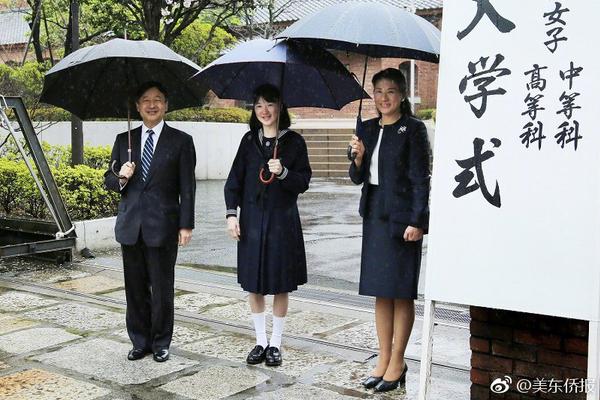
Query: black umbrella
100	81
307	76
369	28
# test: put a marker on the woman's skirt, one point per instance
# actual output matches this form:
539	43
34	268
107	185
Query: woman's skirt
389	267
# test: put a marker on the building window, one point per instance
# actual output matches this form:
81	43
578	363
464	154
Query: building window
405	69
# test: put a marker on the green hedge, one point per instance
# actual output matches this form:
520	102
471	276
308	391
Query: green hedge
426	113
233	114
59	156
81	187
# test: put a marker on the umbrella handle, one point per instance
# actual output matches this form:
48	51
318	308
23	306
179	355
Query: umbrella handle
351	156
112	168
272	177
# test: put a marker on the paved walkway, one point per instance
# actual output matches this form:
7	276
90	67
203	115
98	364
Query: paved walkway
62	329
62	336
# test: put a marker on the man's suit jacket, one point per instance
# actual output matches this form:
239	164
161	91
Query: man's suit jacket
403	170
164	203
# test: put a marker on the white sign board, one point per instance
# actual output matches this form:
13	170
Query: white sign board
515	193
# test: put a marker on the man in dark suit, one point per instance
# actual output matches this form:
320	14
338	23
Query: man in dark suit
156	213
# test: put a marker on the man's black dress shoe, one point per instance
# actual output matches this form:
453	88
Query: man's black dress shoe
136	354
386	386
372	381
272	357
256	355
161	355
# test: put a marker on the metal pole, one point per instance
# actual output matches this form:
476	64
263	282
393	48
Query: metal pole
53	195
426	349
364	77
412	83
76	123
593	373
413	9
6	122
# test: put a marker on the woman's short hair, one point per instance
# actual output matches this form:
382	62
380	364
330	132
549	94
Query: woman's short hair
271	94
396	76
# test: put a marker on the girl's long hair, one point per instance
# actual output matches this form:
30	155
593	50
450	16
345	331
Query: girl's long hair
271	94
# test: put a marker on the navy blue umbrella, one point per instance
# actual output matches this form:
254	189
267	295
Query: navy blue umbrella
307	76
369	28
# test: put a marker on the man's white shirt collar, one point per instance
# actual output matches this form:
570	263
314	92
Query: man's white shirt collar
157	129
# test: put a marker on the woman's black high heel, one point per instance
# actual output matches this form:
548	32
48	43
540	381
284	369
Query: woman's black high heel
386	386
372	381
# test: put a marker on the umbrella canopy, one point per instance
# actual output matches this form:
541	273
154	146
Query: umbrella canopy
373	29
307	76
100	81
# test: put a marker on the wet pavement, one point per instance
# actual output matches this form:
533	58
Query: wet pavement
62	328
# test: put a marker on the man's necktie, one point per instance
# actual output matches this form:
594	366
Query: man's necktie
147	155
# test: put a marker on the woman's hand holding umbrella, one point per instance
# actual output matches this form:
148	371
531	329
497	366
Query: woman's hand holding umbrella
358	149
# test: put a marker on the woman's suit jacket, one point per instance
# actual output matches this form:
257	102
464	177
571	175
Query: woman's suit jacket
404	172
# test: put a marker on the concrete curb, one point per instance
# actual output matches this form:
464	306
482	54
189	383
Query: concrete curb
95	234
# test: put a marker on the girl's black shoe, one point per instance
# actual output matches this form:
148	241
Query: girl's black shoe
256	355
272	357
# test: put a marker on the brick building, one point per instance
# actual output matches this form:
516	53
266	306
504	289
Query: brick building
549	354
14	33
426	73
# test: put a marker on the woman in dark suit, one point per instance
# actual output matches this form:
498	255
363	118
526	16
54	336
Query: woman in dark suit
392	163
271	256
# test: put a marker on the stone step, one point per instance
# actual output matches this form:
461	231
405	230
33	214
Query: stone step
330	164
326	136
329	159
328	143
329	174
327	151
321	151
320	173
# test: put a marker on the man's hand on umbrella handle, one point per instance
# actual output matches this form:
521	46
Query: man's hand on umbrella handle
185	235
275	166
127	170
358	148
233	227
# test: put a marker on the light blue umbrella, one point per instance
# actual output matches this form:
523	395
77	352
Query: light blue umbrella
369	28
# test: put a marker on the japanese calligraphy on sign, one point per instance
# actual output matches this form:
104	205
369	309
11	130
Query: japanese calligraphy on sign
516	170
484	77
